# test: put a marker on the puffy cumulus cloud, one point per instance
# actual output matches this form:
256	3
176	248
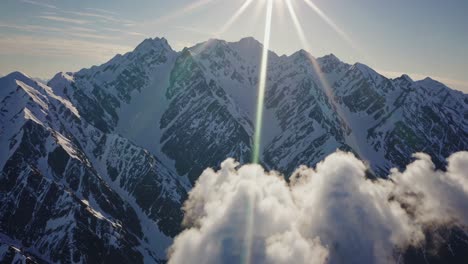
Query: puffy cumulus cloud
243	214
351	214
434	197
330	214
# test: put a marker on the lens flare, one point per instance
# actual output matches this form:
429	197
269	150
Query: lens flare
330	22
322	79
270	4
246	256
315	66
234	18
184	11
247	252
262	83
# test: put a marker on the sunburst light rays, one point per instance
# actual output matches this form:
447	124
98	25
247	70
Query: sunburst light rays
316	67
333	25
183	11
305	44
269	5
328	20
247	251
262	83
236	16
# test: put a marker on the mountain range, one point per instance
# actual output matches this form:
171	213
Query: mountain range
96	165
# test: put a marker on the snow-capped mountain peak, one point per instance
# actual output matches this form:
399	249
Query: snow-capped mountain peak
153	44
406	77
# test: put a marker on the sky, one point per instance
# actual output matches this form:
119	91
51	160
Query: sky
418	37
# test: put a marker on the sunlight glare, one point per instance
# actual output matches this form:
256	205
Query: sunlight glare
262	83
234	18
316	67
184	11
305	44
330	22
247	252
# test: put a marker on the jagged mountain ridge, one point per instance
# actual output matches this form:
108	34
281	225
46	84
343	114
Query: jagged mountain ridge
64	182
308	114
142	126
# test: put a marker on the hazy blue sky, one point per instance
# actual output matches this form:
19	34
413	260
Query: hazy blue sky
418	37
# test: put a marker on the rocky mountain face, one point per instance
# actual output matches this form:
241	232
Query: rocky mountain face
70	192
96	164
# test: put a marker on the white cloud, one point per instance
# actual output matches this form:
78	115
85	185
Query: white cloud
81	29
30	28
131	33
54	46
226	231
37	3
103	11
100	16
65	19
434	197
330	214
75	31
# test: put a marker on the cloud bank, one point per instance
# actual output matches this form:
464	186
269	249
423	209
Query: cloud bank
330	214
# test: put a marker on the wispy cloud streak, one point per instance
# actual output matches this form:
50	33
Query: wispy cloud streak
234	18
102	11
64	19
59	47
41	4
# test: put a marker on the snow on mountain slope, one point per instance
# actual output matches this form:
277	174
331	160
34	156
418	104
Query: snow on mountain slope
392	118
202	122
159	99
362	102
70	192
11	254
163	101
310	126
235	67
